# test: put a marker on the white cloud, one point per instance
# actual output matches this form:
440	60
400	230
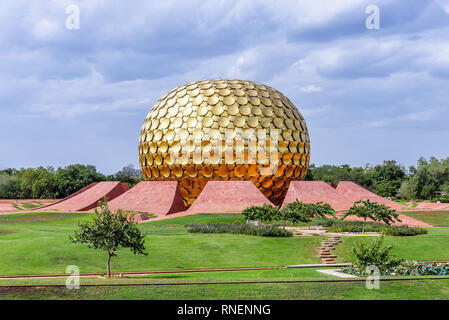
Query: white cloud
310	89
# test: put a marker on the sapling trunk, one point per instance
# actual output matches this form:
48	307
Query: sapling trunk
109	264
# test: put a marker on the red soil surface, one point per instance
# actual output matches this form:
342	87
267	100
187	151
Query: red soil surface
227	196
316	191
88	197
156	197
354	192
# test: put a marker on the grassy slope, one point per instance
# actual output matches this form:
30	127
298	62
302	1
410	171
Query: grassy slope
38	244
434	218
427	247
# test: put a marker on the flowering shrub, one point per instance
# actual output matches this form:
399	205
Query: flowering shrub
408	268
239	228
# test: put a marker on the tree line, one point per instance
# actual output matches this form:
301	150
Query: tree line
389	179
51	183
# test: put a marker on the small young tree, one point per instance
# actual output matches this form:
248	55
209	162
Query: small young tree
371	210
298	211
110	231
374	254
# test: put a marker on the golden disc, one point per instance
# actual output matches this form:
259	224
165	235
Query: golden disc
239	122
233	110
229	100
242	100
202	110
191	122
217	109
177	122
223	121
225	92
213	100
253	122
207	122
254	101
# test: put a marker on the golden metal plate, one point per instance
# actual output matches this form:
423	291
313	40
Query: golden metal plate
245	110
233	110
223	121
207	122
217	109
239	122
177	122
191	122
242	100
253	122
229	100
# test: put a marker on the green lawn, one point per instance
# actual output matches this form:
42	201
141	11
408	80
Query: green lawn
434	218
427	247
38	244
406	290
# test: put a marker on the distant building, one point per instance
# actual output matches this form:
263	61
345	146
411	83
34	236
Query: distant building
440	193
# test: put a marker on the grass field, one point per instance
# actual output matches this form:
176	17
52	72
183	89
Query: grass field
434	218
38	244
427	247
405	290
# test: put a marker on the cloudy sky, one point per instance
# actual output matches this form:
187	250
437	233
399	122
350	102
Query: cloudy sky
81	95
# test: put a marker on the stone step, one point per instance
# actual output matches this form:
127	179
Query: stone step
326	256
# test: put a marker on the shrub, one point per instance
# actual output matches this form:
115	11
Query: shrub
403	231
411	268
374	254
239	228
336	225
265	213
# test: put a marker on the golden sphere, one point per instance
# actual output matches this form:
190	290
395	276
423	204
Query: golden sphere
225	129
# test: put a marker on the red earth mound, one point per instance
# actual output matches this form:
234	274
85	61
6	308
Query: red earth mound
227	196
317	191
155	197
354	192
88	197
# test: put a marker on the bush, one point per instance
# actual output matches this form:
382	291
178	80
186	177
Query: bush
239	228
411	268
335	225
374	254
403	231
261	213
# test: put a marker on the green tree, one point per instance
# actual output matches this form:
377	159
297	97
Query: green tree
264	213
110	231
298	211
374	254
366	209
75	177
386	179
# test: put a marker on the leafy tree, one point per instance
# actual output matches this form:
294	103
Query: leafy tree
298	211
265	213
371	210
129	175
75	177
110	231
387	178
